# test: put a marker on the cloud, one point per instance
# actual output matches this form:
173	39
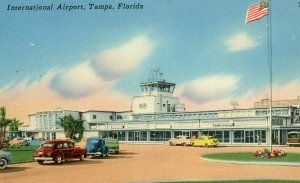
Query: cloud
116	62
209	88
196	100
31	97
241	42
280	91
103	70
84	86
78	81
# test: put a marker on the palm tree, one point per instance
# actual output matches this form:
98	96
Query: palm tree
14	125
72	127
2	117
3	125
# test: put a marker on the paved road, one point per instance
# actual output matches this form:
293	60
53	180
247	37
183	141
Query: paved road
148	163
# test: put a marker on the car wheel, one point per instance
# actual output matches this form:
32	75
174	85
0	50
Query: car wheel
82	157
206	145
171	143
40	162
58	159
184	144
3	163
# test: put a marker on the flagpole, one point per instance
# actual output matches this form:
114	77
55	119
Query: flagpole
270	71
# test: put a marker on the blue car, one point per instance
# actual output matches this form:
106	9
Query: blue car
96	146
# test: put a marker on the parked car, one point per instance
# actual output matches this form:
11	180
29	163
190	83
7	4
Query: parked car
59	151
96	146
293	138
19	141
36	142
180	140
112	144
5	159
205	141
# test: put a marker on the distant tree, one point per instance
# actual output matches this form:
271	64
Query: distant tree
14	125
3	125
72	127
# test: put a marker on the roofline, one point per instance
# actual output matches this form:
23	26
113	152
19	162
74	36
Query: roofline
57	110
32	114
220	110
105	111
150	82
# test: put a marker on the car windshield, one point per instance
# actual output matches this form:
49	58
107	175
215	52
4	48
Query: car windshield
48	145
293	135
93	141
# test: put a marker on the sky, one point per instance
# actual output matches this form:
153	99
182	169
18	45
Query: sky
95	59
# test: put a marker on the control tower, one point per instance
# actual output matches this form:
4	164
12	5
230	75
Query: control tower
157	97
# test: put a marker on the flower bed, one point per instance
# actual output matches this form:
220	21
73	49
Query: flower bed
266	153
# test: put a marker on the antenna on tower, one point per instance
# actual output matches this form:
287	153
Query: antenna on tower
161	74
234	104
155	75
156	72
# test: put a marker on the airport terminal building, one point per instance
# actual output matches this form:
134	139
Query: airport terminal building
157	116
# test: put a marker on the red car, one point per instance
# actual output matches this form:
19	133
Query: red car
59	151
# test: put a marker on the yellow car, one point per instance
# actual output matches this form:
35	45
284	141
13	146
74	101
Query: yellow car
205	141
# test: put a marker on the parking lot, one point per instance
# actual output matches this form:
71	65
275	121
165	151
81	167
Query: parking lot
149	163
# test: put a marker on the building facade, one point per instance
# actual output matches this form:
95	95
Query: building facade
46	124
157	116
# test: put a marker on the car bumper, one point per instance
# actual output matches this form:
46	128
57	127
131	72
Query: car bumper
212	145
95	154
113	150
43	158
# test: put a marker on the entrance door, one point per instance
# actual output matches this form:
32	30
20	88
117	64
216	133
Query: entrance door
186	133
136	135
275	136
249	136
283	139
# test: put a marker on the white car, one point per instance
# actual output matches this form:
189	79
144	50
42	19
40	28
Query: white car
180	140
19	141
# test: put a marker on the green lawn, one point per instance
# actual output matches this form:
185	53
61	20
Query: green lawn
243	181
22	154
247	156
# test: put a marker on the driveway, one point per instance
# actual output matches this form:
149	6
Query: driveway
148	163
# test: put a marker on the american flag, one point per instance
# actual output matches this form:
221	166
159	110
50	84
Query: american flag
257	11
